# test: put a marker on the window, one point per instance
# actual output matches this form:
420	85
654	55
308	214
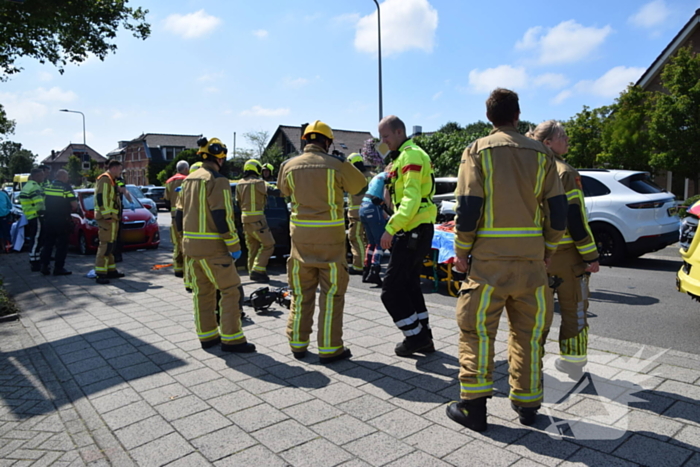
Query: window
641	183
592	187
445	188
170	153
343	145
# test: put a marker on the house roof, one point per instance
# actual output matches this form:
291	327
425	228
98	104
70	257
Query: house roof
676	43
346	141
155	141
63	155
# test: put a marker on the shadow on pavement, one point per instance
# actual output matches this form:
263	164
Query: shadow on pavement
652	264
608	296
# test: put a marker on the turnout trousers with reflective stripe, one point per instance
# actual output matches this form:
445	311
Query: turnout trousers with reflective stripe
178	257
521	287
329	271
401	292
572	296
208	275
356	237
260	243
104	260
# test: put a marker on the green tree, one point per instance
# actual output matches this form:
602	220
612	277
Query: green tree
7	149
445	149
22	161
450	127
625	137
585	131
675	119
74	168
259	140
7	126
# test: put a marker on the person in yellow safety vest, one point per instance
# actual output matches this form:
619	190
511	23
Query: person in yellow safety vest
575	259
411	183
511	214
356	231
209	241
107	208
267	170
315	181
251	194
31	199
171	194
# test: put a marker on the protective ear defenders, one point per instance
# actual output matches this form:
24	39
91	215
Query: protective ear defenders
216	148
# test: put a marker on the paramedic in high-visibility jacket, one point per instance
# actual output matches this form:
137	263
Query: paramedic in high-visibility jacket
315	181
511	215
211	247
411	183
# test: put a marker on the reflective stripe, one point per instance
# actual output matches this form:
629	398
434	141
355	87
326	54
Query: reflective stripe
550	246
298	300
202	206
423	315
536	350
328	350
232	337
482	333
566	239
204	335
589	248
526	397
231	241
541	160
462	245
299	344
487	169
202	235
328	324
330	181
574	358
475	388
407	321
312	223
510	232
253	213
414	331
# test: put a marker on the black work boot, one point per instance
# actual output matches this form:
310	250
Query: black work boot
114	274
102	280
469	413
260	277
45	270
210	343
365	273
422	342
341	356
572	369
355	272
373	277
61	272
527	415
299	355
245	347
35	266
179	274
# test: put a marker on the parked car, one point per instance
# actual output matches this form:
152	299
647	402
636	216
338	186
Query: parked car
277	215
629	214
139	226
444	189
688	277
156	194
147	203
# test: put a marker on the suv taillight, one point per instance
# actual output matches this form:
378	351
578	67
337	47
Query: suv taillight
646	205
688	228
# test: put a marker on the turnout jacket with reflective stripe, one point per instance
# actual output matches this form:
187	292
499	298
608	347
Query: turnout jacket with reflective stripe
205	214
510	201
107	200
315	181
251	194
578	233
171	194
412	186
31	198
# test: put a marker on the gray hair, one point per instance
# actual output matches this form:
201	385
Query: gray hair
182	166
547	130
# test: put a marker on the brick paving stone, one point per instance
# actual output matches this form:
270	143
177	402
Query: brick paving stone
223	443
481	453
586	457
418	401
125	416
316	453
437	440
164	394
254	456
255	418
400	423
115	400
543	449
684	412
365	407
233	402
191	460
262	384
378	448
162	451
201	375
418	459
385	388
285	397
337	393
211	389
284	435
648	451
358	376
688	437
651	424
313	411
201	423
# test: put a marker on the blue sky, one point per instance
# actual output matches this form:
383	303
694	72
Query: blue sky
216	67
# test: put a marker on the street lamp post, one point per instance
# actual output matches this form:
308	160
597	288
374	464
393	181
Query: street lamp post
78	112
379	40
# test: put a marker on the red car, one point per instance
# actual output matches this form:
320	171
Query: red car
139	226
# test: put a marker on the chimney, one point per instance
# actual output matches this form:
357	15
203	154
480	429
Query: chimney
122	144
417	130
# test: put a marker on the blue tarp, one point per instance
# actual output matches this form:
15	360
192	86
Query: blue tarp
444	243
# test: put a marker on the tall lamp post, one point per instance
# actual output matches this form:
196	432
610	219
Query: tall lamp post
379	39
78	112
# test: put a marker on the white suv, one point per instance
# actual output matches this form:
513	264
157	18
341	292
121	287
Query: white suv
628	214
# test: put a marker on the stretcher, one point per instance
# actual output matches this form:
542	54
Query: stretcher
438	265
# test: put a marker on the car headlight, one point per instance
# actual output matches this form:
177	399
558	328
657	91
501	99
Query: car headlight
91	222
151	221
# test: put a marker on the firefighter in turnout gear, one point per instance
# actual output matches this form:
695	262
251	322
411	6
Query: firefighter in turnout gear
210	243
267	170
356	232
576	257
409	234
31	199
107	208
315	181
251	194
171	195
511	214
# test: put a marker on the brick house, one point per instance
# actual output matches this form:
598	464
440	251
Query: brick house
148	154
58	159
651	81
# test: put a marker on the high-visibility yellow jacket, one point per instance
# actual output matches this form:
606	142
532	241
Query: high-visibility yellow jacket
171	194
510	201
315	181
205	214
107	199
251	194
32	199
578	233
411	183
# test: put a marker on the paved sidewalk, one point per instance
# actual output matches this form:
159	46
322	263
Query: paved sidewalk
114	375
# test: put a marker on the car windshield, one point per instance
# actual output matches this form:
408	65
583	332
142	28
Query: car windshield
641	183
89	202
135	192
445	188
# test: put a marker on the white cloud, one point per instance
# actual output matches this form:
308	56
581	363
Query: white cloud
55	94
192	25
347	19
31	106
551	80
45	76
406	25
566	42
260	33
258	111
650	15
504	76
611	83
437	95
209	77
562	96
295	83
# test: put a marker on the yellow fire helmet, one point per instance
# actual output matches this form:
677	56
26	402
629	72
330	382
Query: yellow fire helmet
355	157
195	166
212	147
269	167
317	127
253	166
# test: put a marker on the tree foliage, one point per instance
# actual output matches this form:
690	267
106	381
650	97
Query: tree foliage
261	152
445	149
59	32
585	131
74	167
14	160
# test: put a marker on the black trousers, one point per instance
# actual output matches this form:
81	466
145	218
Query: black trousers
34	233
55	235
401	292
